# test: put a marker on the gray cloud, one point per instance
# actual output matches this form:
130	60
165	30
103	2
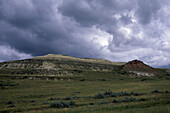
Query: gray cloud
147	10
8	53
114	30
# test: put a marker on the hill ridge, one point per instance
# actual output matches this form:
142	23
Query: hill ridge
66	57
53	64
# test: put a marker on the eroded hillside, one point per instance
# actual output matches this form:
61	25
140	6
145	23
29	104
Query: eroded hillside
52	64
139	68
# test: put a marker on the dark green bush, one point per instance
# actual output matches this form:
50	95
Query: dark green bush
68	98
144	79
32	100
115	101
71	103
9	102
167	91
101	79
91	103
155	91
82	80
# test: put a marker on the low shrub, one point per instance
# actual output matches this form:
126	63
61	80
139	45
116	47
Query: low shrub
135	94
167	91
144	79
62	104
101	79
32	100
102	102
53	98
91	103
68	98
99	96
9	102
142	99
109	93
115	101
82	80
155	91
11	105
9	84
129	99
2	87
157	98
45	102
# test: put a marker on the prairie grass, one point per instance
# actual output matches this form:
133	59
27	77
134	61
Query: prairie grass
35	96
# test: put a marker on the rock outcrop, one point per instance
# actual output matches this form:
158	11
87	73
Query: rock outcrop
139	68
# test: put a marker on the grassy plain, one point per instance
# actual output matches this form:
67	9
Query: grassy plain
35	95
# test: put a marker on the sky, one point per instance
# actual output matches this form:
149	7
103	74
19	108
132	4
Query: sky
116	30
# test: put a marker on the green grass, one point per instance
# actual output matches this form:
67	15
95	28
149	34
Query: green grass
36	95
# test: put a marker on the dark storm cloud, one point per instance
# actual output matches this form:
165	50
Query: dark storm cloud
112	29
94	12
147	10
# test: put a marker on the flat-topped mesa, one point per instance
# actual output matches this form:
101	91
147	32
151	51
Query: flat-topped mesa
60	57
51	56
